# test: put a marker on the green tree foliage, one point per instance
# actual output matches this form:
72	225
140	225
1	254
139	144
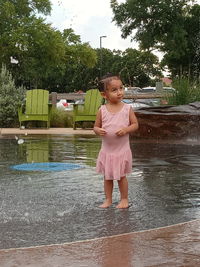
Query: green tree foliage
15	14
11	98
34	45
42	50
59	61
80	52
80	58
135	67
164	25
139	67
42	54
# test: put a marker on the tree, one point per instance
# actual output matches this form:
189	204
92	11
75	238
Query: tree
81	52
136	68
163	25
80	58
34	45
42	54
39	49
139	67
186	63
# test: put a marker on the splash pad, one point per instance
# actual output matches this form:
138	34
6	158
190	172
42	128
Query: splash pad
42	208
47	166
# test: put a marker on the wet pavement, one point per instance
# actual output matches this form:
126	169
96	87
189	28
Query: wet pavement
177	245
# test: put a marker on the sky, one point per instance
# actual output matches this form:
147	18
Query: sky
90	19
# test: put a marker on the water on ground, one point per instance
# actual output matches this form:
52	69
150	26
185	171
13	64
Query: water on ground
38	208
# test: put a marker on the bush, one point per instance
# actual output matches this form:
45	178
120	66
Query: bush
11	98
61	118
186	92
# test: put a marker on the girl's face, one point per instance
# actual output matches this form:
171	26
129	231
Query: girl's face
114	92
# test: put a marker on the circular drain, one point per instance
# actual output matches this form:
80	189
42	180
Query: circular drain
46	166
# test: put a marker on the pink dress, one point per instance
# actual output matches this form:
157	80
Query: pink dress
115	157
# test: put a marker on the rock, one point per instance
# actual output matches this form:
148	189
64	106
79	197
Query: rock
169	121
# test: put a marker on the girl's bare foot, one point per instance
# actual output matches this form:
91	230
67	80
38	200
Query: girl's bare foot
123	204
106	204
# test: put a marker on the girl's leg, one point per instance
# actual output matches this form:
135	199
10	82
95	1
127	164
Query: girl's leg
108	189
123	188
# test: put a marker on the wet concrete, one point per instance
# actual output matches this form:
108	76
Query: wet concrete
169	246
41	208
177	245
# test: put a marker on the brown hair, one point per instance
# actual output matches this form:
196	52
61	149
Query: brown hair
105	80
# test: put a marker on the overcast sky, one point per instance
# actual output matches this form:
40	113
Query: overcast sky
90	19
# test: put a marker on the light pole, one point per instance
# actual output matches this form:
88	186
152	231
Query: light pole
103	36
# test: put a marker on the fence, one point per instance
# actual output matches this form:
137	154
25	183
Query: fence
55	97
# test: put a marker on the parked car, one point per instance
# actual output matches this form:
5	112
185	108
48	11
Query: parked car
132	90
149	89
153	89
169	89
152	102
135	104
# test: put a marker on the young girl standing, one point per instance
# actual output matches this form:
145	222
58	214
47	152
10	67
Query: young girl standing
114	121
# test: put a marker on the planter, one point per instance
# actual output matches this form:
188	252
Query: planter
169	121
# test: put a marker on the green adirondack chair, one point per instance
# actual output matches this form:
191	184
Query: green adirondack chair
88	110
37	107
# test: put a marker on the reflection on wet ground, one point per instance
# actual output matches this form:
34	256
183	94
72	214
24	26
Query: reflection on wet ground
173	246
43	208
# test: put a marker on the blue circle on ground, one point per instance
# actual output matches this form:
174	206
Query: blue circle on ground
47	166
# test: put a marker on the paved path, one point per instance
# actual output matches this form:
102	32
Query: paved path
10	131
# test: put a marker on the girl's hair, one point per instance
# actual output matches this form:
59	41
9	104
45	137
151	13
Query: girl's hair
105	80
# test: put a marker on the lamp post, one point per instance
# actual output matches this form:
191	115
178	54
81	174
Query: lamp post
103	36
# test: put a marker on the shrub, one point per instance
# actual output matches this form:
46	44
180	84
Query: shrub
11	98
186	92
61	118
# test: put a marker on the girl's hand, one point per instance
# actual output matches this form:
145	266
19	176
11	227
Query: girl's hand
121	132
102	131
99	131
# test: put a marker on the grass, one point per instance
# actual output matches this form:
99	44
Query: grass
186	92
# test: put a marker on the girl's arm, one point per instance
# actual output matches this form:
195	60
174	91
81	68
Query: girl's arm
133	122
98	124
132	127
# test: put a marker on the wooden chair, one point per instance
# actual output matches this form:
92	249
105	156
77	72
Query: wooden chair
37	107
88	110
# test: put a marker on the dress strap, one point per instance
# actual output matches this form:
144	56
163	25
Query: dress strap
127	107
103	108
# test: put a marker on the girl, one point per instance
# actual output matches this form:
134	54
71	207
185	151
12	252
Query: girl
114	121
